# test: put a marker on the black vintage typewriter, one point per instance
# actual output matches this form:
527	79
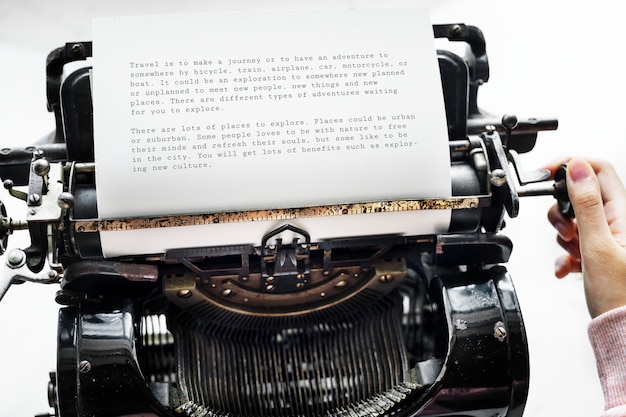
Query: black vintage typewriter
379	326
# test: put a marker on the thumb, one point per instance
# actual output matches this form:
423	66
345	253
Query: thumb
586	197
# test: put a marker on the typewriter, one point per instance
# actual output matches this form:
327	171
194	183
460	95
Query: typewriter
386	325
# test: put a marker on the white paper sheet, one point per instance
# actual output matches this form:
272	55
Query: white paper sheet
251	110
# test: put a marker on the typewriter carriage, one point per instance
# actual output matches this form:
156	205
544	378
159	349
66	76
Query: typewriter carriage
170	334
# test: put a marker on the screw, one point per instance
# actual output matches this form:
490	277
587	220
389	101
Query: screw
34	199
498	177
77	49
386	278
16	258
65	200
184	293
41	167
499	331
84	367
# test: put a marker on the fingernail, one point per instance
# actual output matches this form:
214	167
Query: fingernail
578	171
560	267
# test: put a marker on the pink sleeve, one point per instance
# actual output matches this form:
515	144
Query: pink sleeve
607	333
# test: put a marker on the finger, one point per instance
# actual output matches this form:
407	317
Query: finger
612	188
614	198
565	227
610	183
564	265
571	246
586	198
605	171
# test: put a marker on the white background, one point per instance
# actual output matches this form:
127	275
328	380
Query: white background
561	59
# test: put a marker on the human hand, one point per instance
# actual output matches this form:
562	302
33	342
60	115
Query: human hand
595	241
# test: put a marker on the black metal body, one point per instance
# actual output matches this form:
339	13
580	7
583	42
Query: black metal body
469	348
474	370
